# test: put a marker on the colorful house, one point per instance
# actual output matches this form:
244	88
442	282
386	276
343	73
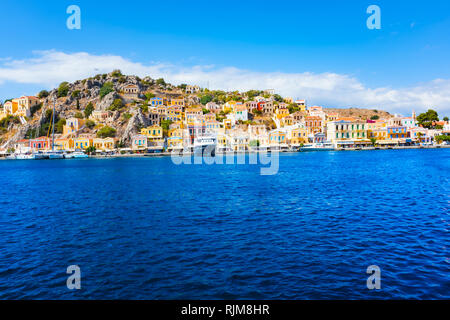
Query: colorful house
313	124
156	102
177	102
282	112
83	142
397	132
104	144
40	143
73	125
139	142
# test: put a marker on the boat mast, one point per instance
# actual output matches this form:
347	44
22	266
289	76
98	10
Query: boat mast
53	126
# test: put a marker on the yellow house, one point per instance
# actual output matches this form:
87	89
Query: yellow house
174	114
175	139
377	129
152	131
277	137
64	144
83	142
104	144
282	112
10	107
177	102
227	123
298	136
193	114
72	126
154	135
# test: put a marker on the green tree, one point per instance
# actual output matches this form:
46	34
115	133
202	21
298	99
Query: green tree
63	89
78	115
149	95
426	119
43	94
116	105
88	110
160	82
116	73
206	98
90	124
373	141
106	132
106	88
90	150
375	117
205	111
278	98
445	119
60	125
75	93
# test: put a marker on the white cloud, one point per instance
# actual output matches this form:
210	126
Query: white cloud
49	68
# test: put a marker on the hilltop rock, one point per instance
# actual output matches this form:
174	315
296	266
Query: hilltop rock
107	101
136	122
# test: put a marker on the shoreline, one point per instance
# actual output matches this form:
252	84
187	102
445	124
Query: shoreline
168	154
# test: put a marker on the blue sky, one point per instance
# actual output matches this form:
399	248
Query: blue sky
255	37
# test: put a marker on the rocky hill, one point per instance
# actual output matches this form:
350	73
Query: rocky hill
107	92
360	113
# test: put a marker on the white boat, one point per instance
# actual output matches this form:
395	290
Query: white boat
325	146
206	142
54	155
76	155
28	156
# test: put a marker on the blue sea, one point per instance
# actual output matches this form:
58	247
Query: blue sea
145	228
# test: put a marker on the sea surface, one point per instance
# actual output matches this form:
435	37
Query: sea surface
146	228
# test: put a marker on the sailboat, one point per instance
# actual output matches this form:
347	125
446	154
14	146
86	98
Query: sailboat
54	154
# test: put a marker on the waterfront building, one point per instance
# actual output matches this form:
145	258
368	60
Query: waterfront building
319	137
239	140
397	132
345	133
40	143
104	144
408	122
297	135
277	138
83	141
65	144
139	142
